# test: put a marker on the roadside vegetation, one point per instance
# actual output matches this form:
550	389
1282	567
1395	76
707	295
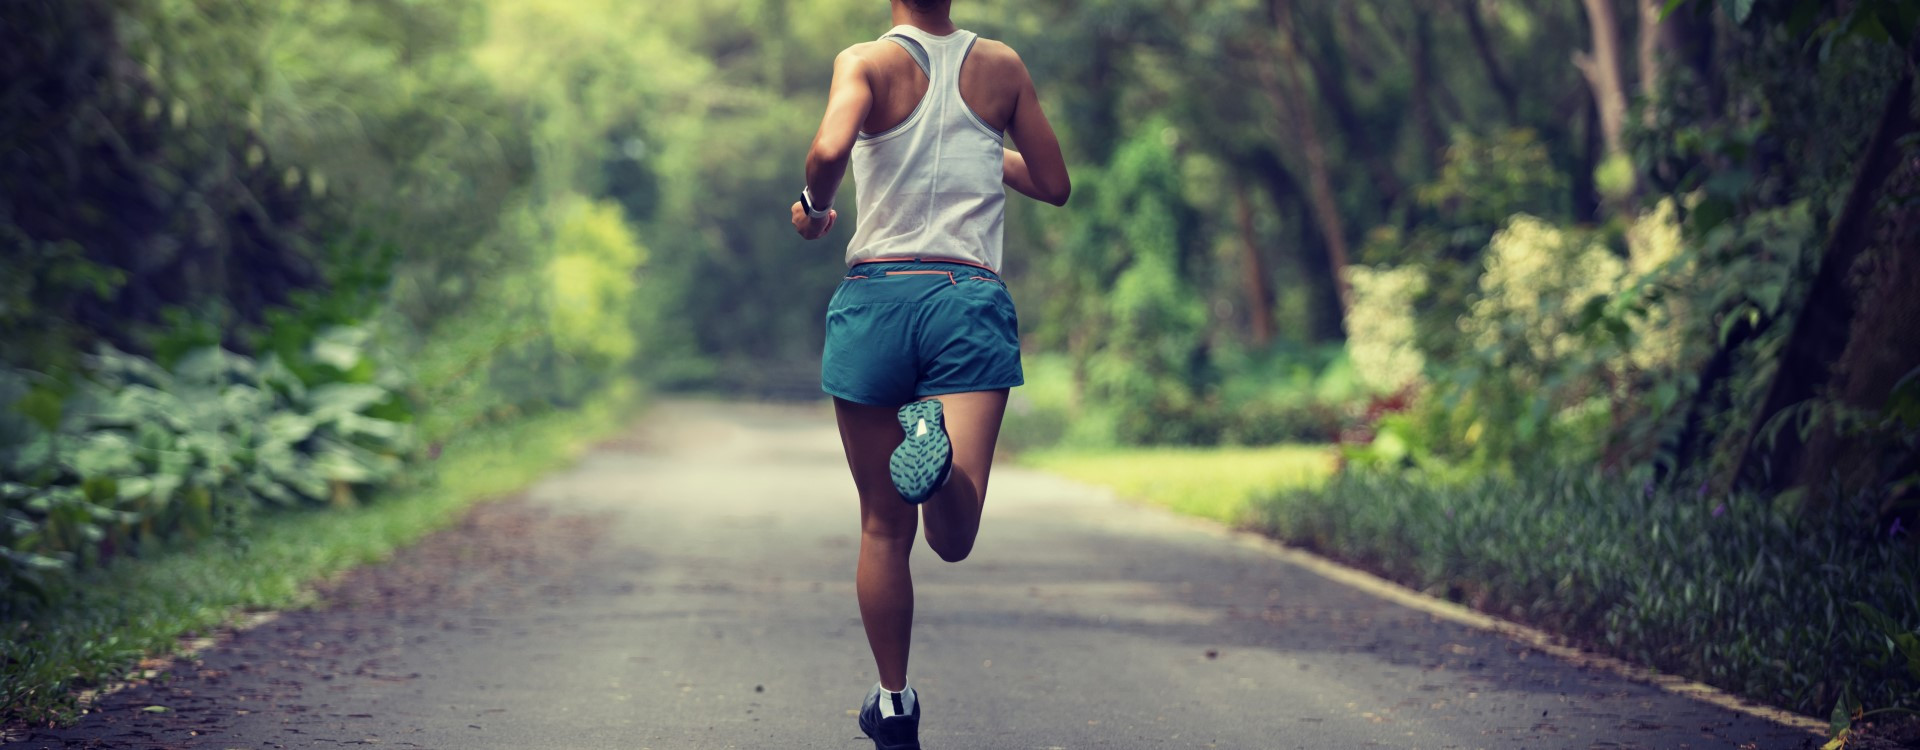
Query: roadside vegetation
93	627
1613	351
1215	483
1594	314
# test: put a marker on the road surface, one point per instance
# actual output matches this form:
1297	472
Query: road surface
689	585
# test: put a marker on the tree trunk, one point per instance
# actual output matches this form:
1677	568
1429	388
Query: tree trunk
1586	197
1287	92
1259	295
1423	84
1329	77
1324	320
1496	76
1882	348
1681	41
1820	333
1691	442
1604	74
1651	52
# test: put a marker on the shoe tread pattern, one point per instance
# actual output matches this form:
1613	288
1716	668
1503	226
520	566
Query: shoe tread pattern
922	462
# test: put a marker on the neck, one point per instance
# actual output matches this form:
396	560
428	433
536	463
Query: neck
936	22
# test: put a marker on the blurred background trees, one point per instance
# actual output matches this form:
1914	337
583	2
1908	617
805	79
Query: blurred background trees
1660	244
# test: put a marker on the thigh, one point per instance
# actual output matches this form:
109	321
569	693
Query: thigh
869	435
973	424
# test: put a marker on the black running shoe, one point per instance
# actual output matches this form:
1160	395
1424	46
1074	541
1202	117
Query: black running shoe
924	459
898	732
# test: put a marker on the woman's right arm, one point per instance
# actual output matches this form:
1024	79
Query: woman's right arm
1037	170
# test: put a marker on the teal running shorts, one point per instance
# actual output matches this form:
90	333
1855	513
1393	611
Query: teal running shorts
902	331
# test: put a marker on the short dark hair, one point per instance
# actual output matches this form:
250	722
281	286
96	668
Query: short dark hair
926	5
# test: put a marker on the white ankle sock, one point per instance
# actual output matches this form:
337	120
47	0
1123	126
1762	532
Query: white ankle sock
897	704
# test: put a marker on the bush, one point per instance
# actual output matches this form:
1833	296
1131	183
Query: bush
135	453
1287	396
1732	591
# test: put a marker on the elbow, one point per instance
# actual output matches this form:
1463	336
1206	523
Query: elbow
1059	196
824	155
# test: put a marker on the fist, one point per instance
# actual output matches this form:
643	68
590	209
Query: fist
810	229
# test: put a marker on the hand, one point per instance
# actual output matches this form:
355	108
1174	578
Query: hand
810	229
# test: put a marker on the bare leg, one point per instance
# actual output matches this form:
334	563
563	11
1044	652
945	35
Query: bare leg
953	513
887	525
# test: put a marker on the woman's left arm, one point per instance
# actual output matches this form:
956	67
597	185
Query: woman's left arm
848	103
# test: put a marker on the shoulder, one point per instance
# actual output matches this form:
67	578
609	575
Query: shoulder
999	56
860	57
997	52
864	52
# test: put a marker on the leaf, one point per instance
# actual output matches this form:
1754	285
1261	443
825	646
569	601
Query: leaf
339	348
33	561
1672	5
329	402
43	405
288	428
1739	10
156	709
1732	319
1904	402
341	464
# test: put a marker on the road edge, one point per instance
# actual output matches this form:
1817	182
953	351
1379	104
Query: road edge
1534	638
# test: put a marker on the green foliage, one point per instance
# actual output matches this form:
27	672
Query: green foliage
1487	179
99	622
1143	347
1213	483
1483	183
135	455
1273	398
1717	589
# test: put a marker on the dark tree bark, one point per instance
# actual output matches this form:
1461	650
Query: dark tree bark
1254	271
1325	321
1681	41
1496	75
1283	86
1821	331
1329	78
1708	398
1586	197
1882	348
1425	121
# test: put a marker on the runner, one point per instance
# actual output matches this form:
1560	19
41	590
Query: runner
922	343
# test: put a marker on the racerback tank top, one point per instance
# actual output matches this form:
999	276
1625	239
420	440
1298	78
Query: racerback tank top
930	187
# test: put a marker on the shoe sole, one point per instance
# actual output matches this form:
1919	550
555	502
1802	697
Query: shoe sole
924	459
870	731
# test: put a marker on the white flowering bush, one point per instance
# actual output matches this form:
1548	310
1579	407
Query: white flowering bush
1381	338
1657	257
1537	280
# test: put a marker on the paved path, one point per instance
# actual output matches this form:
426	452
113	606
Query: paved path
689	586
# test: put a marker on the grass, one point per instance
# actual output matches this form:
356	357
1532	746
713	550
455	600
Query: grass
106	621
1216	483
1726	590
1737	591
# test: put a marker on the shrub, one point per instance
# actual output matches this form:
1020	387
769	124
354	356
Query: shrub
1733	591
135	453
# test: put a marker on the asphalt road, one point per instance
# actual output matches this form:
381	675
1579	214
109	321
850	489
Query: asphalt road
690	586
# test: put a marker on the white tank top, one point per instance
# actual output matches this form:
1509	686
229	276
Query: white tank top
930	187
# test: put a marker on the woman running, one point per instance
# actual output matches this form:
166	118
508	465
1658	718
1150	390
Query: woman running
922	343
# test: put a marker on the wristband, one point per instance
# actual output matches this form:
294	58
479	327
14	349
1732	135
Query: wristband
806	204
